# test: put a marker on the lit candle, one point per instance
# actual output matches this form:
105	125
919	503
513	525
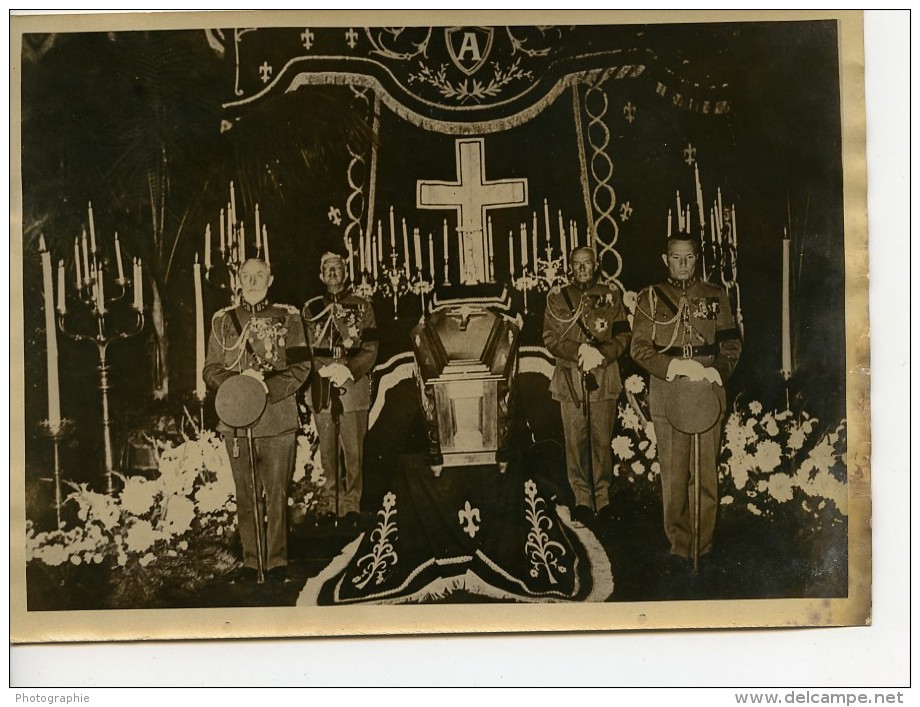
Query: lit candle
734	229
199	333
232	203
230	231
86	270
258	231
405	235
361	249
351	260
431	255
118	261
100	289
721	214
786	334
511	253
546	219
242	242
92	229
265	244
563	246
392	232
489	250
62	295
699	198
78	280
54	400
223	233
375	248
207	247
523	245
575	233
137	285
687	219
140	284
534	234
680	214
669	223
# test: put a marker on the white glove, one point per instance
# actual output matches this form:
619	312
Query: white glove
326	371
712	375
686	367
253	373
589	357
339	374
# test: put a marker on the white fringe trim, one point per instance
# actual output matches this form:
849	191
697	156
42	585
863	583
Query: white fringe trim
309	595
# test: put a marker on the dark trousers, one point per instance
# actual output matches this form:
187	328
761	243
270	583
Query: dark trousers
575	427
274	458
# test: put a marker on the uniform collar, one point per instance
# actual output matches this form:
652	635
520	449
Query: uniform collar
683	284
258	307
339	296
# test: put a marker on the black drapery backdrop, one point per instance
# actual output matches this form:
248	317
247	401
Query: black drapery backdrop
95	104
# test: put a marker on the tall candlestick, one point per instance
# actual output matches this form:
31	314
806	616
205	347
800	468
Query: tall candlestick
100	288
361	251
687	220
523	245
199	333
534	236
118	261
78	280
375	246
258	230
669	223
734	229
223	233
405	235
546	219
92	229
62	292
431	255
265	244
86	270
575	234
511	253
392	232
232	203
207	247
242	241
418	248
680	214
351	260
721	213
563	245
489	258
786	323
379	238
54	399
138	285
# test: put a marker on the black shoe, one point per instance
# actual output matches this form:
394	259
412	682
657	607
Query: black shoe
278	575
679	565
325	519
245	575
606	515
584	515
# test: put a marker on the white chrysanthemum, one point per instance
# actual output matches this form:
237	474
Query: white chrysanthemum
727	500
635	384
629	418
140	537
147	559
180	512
754	509
212	497
796	439
768	455
755	407
770	426
622	447
138	495
780	486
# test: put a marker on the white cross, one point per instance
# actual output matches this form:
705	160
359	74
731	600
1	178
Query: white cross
472	197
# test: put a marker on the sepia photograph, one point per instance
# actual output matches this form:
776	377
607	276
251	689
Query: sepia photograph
332	327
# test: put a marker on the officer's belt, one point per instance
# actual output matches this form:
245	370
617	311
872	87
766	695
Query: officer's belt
336	352
689	351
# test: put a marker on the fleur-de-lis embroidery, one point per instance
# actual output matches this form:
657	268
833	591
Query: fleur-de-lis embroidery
351	37
335	215
265	72
689	153
307	38
469	517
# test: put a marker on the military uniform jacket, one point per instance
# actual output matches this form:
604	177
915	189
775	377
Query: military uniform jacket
342	329
595	316
269	338
684	320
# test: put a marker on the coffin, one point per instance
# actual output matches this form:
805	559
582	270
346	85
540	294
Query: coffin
466	358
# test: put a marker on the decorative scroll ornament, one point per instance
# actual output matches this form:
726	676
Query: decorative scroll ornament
544	554
383	555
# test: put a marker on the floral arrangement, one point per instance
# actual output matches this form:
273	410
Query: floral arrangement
769	460
158	540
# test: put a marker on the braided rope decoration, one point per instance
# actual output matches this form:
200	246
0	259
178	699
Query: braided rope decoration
357	177
603	228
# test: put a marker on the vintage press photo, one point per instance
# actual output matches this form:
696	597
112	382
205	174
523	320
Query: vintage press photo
375	263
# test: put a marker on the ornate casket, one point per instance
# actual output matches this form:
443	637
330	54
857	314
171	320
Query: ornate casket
466	357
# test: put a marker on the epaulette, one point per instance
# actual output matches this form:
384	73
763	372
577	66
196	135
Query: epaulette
221	312
289	308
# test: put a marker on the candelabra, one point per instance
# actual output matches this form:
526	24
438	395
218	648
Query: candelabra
422	287
57	432
393	283
111	321
545	275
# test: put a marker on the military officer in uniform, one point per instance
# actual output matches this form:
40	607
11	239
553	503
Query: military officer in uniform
586	329
265	341
342	331
685	327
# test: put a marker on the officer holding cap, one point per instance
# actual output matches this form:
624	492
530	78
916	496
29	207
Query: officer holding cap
684	333
264	342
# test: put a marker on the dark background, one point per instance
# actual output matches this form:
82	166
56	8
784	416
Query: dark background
105	116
